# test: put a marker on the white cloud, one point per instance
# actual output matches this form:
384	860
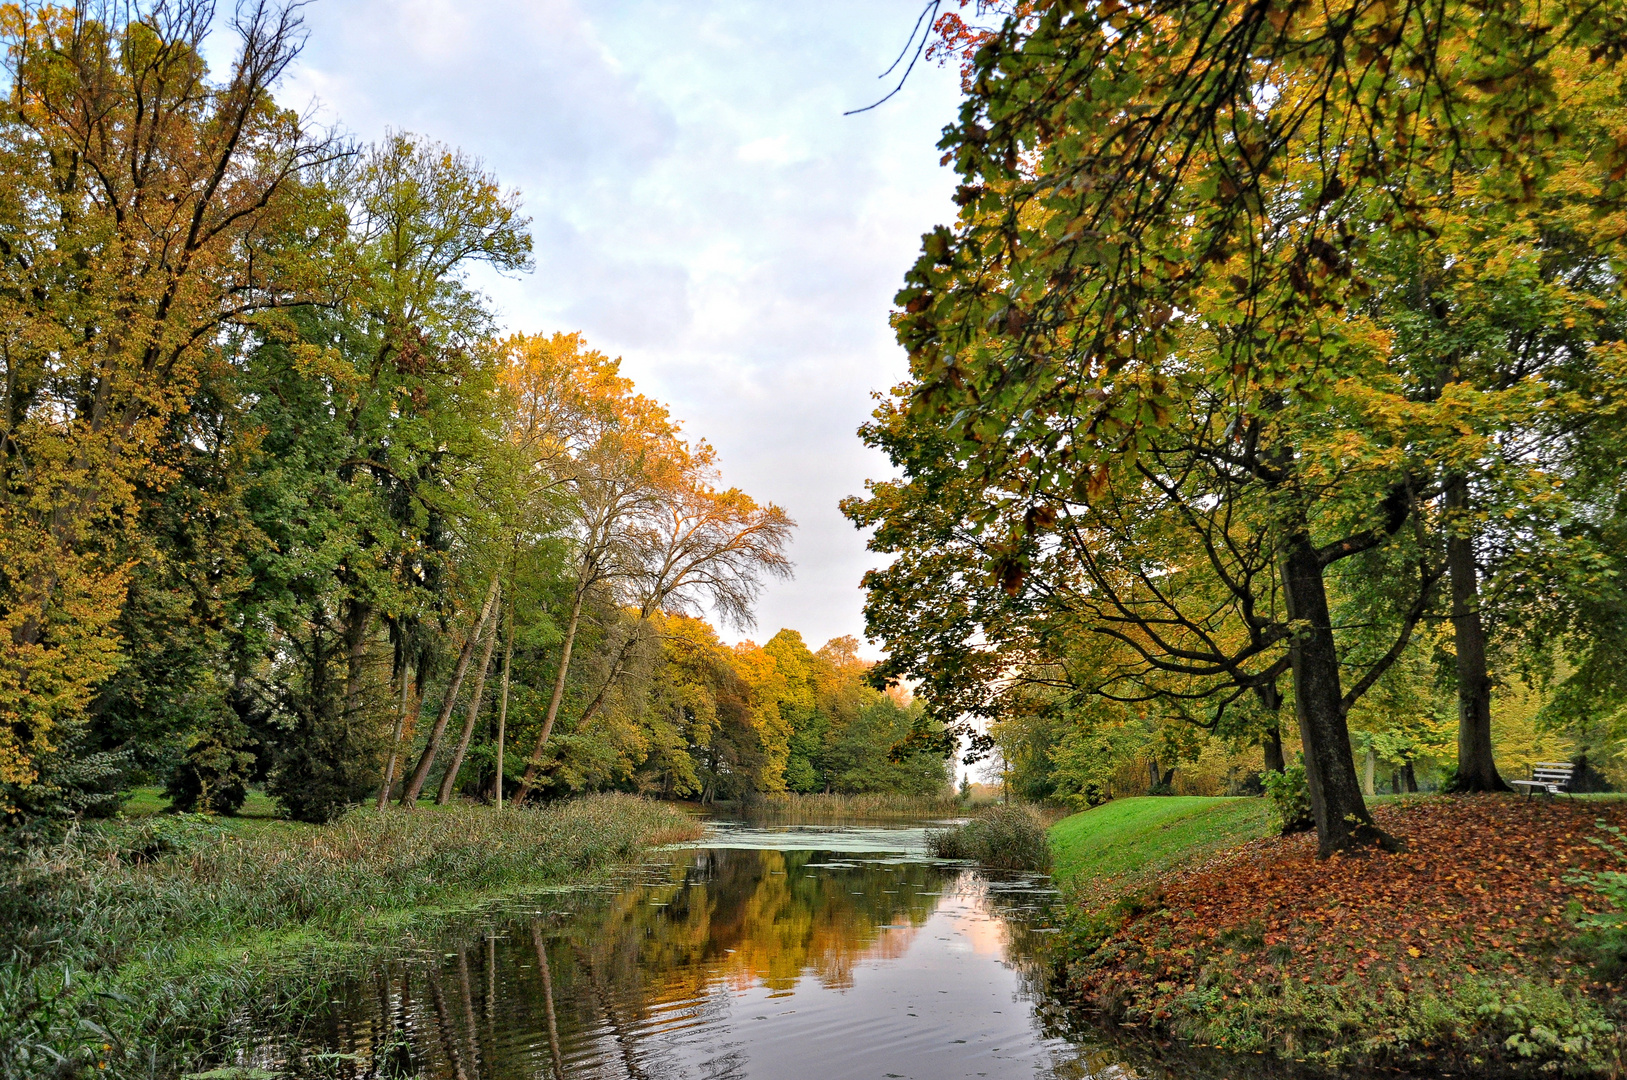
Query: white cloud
700	205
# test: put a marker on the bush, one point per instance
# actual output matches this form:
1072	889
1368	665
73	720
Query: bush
1605	933
326	765
213	776
1001	837
1290	797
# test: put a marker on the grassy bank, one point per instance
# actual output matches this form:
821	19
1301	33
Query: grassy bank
131	944
1460	954
1126	841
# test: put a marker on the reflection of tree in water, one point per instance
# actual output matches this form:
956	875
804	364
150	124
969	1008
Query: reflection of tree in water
581	995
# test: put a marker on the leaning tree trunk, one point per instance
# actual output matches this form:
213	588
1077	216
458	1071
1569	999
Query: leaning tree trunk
1477	771
530	778
502	708
1342	817
450	777
409	797
402	729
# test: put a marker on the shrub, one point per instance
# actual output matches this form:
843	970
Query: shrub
326	765
213	776
1290	797
1002	837
1605	932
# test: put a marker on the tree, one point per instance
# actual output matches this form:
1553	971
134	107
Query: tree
1170	203
142	210
648	528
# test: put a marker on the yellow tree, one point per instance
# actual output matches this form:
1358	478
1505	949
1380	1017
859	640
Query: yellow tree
144	209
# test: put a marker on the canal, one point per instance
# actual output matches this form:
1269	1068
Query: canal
782	953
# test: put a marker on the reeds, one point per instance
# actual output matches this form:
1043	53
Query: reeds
792	808
154	932
1002	837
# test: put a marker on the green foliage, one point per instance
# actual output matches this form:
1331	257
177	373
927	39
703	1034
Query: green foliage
1290	799
214	773
1604	933
326	762
1006	837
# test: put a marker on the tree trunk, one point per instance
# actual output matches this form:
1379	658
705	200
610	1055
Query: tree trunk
1369	766
530	777
1342	818
395	739
1271	742
450	777
1477	771
357	624
1409	779
409	797
1272	745
502	708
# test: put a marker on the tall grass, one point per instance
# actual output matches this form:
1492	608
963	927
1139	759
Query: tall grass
151	933
793	808
1003	837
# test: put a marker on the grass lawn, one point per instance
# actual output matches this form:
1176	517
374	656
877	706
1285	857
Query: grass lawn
1131	839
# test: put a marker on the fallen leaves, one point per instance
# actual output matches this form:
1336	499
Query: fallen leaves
1484	885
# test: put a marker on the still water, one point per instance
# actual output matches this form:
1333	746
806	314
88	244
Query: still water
823	952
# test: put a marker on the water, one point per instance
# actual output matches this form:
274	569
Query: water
796	952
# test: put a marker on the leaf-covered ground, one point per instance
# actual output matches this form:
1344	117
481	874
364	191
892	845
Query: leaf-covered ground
1461	950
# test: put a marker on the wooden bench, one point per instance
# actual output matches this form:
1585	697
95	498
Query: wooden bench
1550	776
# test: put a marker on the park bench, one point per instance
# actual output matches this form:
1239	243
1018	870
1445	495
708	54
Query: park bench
1551	776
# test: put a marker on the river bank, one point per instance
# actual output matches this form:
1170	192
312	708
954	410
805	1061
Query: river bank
132	945
1461	954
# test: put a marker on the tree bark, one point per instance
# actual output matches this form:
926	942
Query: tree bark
450	778
395	738
1271	742
502	708
1477	771
357	624
1342	817
530	777
409	797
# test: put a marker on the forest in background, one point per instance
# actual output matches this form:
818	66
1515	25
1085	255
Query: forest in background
279	505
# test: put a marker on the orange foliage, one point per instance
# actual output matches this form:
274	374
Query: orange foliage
1482	879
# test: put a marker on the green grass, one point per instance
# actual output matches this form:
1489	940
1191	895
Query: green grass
148	932
1143	837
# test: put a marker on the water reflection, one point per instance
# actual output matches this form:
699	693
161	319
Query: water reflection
724	962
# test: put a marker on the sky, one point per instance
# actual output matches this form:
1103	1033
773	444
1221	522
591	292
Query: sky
700	207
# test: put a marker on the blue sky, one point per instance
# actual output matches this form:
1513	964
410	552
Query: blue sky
700	207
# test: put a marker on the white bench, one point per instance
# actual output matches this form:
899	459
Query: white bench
1550	776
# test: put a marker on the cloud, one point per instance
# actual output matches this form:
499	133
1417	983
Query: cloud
700	206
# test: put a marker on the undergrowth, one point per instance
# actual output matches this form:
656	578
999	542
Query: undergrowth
127	946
